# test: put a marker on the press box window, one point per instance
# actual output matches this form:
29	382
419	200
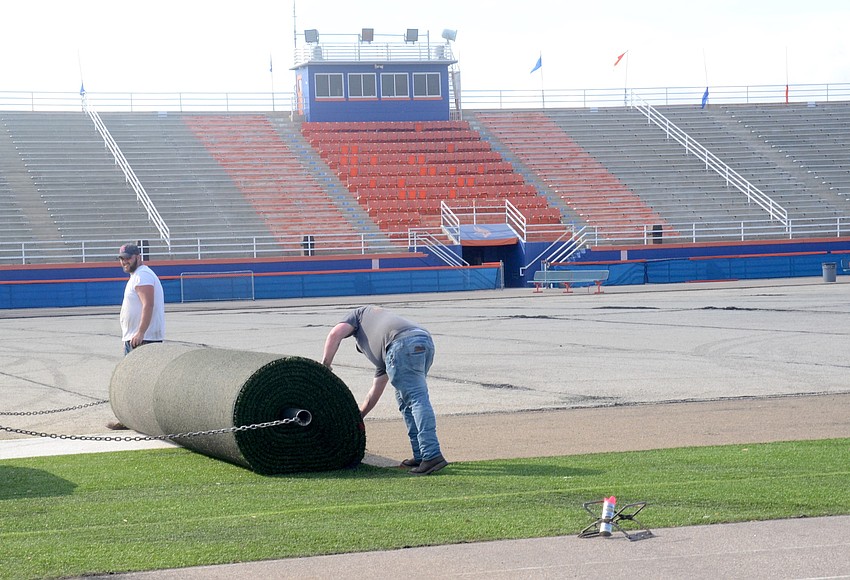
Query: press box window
328	86
426	84
362	86
394	85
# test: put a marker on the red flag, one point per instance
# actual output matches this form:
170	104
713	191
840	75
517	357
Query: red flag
786	94
619	58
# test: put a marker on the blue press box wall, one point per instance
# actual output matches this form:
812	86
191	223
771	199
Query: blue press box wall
103	283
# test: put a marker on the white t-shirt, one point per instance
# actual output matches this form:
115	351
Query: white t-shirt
131	308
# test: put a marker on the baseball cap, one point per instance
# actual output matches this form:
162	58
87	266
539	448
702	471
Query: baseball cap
128	250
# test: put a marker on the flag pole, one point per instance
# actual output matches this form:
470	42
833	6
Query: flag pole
539	66
626	79
626	83
82	83
786	75
542	90
271	72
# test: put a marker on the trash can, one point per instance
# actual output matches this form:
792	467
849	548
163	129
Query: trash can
308	245
657	233
829	271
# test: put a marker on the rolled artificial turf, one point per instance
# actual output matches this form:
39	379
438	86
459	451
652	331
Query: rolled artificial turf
168	389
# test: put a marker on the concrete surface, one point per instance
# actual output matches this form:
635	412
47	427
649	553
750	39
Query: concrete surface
517	374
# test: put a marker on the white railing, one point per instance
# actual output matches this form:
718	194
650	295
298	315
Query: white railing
248	247
421	237
516	220
141	195
559	250
450	222
721	231
570	248
732	177
200	248
472	99
373	51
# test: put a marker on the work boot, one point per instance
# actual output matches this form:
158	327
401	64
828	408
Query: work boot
429	466
410	463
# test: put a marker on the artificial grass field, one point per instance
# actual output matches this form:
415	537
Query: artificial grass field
165	508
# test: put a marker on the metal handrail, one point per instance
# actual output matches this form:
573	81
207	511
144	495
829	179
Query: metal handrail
569	248
450	223
329	244
141	195
516	220
754	194
473	99
429	240
559	244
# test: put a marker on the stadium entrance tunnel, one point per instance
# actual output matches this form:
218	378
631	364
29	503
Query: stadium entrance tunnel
164	389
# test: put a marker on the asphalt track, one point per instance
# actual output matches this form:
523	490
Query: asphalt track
518	374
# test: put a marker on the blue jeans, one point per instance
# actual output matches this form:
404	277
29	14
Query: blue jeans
128	348
408	359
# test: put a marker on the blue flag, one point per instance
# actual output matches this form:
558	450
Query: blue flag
539	63
82	89
704	98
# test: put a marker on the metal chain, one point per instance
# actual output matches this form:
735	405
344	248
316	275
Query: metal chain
157	437
28	413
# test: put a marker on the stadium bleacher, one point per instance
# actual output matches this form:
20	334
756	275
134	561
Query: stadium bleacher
265	175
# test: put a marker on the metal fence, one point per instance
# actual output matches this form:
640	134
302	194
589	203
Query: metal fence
416	239
470	99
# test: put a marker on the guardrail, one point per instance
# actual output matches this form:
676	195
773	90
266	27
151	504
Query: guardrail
373	51
200	248
130	175
321	244
471	99
425	239
722	231
732	177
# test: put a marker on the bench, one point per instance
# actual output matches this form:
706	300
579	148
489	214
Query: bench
568	277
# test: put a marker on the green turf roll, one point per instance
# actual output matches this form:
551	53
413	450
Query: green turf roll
166	389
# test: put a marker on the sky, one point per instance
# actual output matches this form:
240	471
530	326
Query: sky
154	46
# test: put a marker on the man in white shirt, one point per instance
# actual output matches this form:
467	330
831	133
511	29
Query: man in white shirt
143	309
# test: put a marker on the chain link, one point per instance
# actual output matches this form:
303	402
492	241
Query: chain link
48	412
134	438
155	437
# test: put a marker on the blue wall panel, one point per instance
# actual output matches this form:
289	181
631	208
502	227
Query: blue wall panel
109	291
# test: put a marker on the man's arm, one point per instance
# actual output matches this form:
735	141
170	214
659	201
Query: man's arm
374	394
146	298
335	337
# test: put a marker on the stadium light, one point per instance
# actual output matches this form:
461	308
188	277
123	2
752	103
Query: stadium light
367	35
311	35
450	35
412	35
